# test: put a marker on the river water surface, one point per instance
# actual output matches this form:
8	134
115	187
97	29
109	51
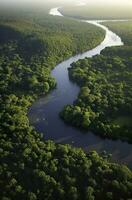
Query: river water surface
44	113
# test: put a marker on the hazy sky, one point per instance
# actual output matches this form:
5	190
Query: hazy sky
81	2
107	1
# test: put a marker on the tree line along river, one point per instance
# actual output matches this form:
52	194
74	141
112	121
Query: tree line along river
44	113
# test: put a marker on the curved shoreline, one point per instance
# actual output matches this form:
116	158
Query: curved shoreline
45	112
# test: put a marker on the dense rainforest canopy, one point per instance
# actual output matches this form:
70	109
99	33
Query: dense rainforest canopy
31	168
104	104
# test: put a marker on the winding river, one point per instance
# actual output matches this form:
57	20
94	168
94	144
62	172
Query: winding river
44	113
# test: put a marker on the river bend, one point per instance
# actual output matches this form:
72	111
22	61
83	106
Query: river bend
44	113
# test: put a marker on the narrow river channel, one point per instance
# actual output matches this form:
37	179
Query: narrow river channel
44	113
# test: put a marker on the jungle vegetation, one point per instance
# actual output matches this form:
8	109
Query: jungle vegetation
30	167
104	104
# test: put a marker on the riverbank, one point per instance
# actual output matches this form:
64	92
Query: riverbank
45	111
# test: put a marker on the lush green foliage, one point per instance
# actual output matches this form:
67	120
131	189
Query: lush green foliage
104	104
50	39
105	96
34	169
123	29
30	48
123	51
31	168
